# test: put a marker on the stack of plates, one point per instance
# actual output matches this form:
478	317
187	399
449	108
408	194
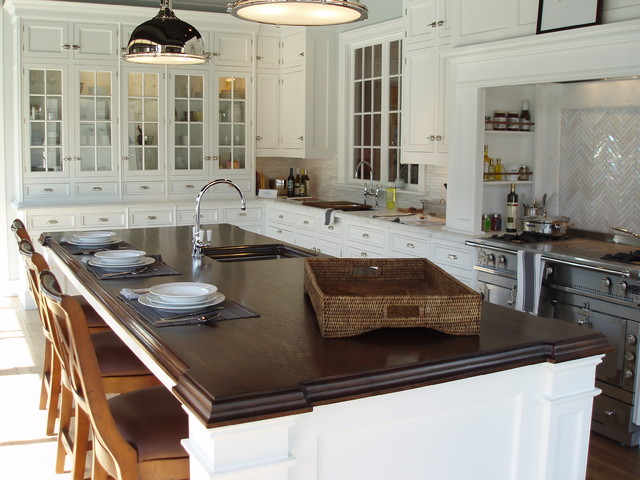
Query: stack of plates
120	259
182	296
94	239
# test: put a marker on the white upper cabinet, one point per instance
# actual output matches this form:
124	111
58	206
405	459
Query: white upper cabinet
231	49
268	52
55	39
426	20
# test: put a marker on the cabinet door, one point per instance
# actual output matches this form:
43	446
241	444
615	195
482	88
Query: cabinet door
46	128
144	94
45	39
95	41
268	52
293	50
233	102
95	136
267	112
418	19
292	110
189	137
232	49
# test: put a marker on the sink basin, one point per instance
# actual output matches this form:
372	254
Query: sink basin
337	205
243	253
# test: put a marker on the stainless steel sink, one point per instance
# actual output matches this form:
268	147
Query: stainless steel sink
243	253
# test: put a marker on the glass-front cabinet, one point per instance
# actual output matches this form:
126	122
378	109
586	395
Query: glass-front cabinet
143	136
233	104
189	136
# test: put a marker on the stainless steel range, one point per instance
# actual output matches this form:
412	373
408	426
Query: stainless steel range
586	281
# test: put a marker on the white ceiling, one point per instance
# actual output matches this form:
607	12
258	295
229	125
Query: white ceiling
199	5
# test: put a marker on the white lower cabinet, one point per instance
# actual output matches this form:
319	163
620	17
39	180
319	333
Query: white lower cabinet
186	215
50	222
280	233
404	245
103	219
452	255
151	217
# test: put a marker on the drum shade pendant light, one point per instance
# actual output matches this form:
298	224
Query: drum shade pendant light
299	12
166	40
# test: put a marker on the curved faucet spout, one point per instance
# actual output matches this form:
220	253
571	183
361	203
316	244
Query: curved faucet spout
198	243
370	190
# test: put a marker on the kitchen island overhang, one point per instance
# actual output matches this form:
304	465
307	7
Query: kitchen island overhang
277	367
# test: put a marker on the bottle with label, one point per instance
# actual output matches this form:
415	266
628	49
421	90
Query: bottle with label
525	117
512	210
290	184
307	183
498	169
296	184
391	198
487	162
303	186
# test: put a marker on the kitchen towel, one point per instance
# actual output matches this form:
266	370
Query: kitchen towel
539	269
228	309
329	216
156	269
525	281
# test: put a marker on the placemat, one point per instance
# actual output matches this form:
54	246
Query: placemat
228	310
156	269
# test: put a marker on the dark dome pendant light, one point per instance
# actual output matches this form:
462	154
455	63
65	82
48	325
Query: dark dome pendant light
166	40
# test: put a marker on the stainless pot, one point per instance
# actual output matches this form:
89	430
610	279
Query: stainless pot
544	225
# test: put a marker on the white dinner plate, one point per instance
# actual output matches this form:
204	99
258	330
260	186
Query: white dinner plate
120	257
216	298
96	262
95	243
92	237
183	292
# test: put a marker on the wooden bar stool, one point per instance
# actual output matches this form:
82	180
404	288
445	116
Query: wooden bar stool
136	435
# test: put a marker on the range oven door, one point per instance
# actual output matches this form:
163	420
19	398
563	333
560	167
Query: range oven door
499	288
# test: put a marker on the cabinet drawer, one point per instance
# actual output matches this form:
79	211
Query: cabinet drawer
188	216
333	230
279	233
328	247
150	218
66	221
47	190
305	241
376	237
186	187
103	219
143	188
306	222
465	275
356	251
412	246
109	189
236	215
280	216
455	256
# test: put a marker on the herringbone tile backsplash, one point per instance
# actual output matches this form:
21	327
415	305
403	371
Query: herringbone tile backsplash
600	168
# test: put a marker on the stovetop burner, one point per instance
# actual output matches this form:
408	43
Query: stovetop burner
529	237
622	257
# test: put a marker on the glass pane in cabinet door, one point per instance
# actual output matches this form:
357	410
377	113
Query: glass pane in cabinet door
135	158
54	82
238	158
225	158
150	109
182	86
225	135
143	116
103	160
37	133
103	108
87	109
103	134
54	134
239	88
196	157
38	159
196	86
103	83
182	158
54	159
150	158
36	82
87	158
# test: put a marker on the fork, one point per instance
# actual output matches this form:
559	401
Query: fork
135	271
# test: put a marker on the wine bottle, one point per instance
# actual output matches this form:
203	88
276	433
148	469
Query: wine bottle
290	184
512	210
525	117
307	183
296	183
303	186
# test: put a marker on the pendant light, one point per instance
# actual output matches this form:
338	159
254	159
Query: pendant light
166	40
299	12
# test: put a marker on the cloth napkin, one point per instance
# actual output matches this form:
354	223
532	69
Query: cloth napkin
156	269
228	309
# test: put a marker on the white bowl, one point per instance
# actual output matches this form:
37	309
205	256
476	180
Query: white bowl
120	257
183	292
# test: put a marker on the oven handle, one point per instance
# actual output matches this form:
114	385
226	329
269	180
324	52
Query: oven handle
622	273
471	243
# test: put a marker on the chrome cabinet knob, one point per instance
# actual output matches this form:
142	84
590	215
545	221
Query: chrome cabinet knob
631	339
605	284
623	287
627	374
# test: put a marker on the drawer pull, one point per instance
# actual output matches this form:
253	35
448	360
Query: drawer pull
410	245
365	235
52	221
103	219
610	413
363	254
330	227
306	222
281	216
143	187
452	256
48	190
279	232
189	186
96	189
242	214
152	217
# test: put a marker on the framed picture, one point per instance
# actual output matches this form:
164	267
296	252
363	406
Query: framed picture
555	15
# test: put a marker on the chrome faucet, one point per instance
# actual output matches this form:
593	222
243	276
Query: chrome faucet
368	190
198	242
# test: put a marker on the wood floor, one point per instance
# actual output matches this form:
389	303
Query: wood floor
608	460
21	423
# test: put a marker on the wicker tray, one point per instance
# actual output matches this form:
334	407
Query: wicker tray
354	296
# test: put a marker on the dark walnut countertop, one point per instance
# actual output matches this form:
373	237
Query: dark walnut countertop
278	364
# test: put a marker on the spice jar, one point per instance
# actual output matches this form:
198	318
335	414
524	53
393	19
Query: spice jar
496	222
486	222
488	123
499	120
513	121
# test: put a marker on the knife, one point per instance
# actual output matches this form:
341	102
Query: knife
187	319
